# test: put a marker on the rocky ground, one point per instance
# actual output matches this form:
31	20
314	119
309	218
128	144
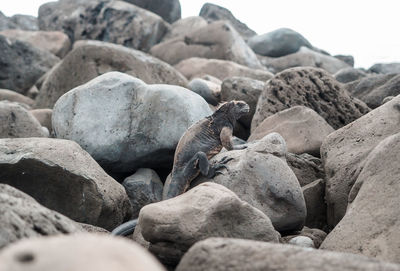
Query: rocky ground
94	96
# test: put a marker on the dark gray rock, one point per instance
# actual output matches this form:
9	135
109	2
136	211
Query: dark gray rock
314	194
346	59
210	91
25	22
347	75
307	168
6	23
169	10
385	68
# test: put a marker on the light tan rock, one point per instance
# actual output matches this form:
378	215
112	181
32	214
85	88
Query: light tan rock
44	117
13	96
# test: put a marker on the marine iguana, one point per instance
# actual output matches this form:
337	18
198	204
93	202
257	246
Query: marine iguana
197	145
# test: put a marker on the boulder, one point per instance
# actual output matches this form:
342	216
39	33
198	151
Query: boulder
350	74
260	176
63	177
217	40
16	121
221	69
18	21
107	20
301	127
185	26
213	12
343	153
169	10
44	117
77	252
22	64
90	59
13	96
370	226
317	236
210	91
314	196
385	68
143	187
346	59
22	217
242	89
280	42
143	122
235	254
6	23
55	42
307	168
310	87
208	210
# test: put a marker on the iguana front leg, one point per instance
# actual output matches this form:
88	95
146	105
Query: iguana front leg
226	139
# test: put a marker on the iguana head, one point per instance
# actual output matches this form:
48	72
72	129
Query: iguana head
234	109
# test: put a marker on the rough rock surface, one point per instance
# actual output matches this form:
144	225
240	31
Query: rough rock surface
169	10
143	126
217	40
310	87
13	96
210	91
77	252
22	64
18	21
106	20
370	226
221	69
307	168
208	210
234	254
314	194
90	59
64	178
343	153
350	74
22	217
185	26
385	68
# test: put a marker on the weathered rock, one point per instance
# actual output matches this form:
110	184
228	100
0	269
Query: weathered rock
210	91
370	226
13	96
143	126
242	89
280	42
387	99
93	229
90	59
347	75
55	42
6	23
16	121
260	176
213	12
310	87
64	178
217	40
18	21
77	252
208	210
185	26
169	10
307	168
221	69
343	153
22	217
306	57
346	59
44	117
22	64
143	187
314	194
317	236
301	127
234	254
302	241
385	68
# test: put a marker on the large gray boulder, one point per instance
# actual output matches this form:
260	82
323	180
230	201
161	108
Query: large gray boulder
90	59
22	64
344	151
22	217
142	123
169	10
106	20
217	40
63	177
237	255
385	68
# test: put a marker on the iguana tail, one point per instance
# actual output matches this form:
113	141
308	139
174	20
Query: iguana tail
125	229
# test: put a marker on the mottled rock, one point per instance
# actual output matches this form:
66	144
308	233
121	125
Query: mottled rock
307	168
13	96
210	91
347	75
169	10
385	68
314	195
185	26
18	21
44	117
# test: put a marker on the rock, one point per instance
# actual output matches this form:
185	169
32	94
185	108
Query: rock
314	194
385	68
371	221
93	229
22	217
208	210
6	23
221	69
347	75
307	168
77	252
302	241
346	59
55	42
387	99
242	89
64	178
280	42
143	126
143	187
217	40
210	91
310	87
301	127
169	10
44	117
107	20
260	176
90	59
18	21
316	236
13	96
185	26
213	12
22	64
343	153
235	254
306	57
16	121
